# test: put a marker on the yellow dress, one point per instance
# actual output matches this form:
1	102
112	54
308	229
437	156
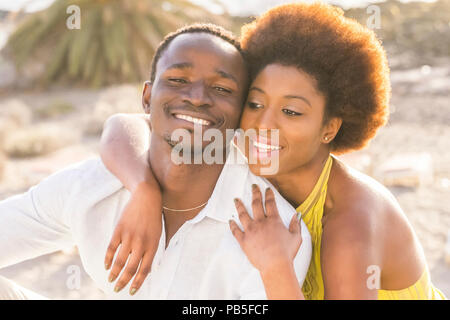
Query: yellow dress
313	288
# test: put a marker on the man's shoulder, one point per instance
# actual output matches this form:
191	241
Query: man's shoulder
87	177
93	171
87	170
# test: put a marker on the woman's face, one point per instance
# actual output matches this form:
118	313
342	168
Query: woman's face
284	98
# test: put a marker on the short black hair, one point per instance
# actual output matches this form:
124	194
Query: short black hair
209	28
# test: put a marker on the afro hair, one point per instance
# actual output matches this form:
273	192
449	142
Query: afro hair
344	57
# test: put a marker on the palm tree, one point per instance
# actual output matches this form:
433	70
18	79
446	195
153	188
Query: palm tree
115	43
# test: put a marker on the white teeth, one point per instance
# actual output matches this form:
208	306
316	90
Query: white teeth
266	147
192	119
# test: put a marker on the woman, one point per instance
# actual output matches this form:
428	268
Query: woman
322	81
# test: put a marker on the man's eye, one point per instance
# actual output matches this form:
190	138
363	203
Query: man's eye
291	113
254	105
177	80
222	89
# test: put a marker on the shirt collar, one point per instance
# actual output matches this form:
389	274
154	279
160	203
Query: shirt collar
230	185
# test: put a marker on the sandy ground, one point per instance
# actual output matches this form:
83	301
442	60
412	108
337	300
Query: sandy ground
418	124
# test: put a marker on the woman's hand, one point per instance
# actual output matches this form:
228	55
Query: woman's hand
138	233
267	243
124	150
270	246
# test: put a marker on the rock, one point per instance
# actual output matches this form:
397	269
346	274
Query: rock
14	114
2	164
358	160
447	249
38	140
8	74
406	170
6	127
16	111
118	99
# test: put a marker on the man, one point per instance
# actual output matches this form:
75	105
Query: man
198	73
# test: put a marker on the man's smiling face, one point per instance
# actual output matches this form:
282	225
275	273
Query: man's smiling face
200	79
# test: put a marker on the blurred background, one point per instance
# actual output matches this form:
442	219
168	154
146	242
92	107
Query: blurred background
58	84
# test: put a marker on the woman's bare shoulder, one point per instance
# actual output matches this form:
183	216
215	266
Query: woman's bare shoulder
351	188
365	207
370	207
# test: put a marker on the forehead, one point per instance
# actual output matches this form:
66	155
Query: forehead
202	51
286	79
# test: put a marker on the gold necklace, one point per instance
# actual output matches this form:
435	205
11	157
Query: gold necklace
181	210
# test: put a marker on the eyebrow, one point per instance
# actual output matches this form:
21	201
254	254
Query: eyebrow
226	75
290	96
183	65
298	97
187	65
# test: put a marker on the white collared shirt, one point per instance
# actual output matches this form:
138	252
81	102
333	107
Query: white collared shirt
82	204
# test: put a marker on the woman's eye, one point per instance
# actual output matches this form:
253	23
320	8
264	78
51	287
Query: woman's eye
254	105
291	113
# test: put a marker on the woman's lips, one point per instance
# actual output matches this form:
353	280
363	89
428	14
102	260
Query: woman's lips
263	150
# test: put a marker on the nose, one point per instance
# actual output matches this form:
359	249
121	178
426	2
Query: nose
266	119
197	95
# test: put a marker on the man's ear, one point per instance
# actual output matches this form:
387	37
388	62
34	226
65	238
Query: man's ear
146	95
331	129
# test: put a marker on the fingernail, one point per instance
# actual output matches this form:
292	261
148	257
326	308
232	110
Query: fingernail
116	289
133	291
254	186
106	266
236	200
111	278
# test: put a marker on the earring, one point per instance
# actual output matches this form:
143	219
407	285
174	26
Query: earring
326	138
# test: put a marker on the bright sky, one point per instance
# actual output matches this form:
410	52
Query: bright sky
234	6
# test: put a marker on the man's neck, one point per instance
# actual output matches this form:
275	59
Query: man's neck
183	186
